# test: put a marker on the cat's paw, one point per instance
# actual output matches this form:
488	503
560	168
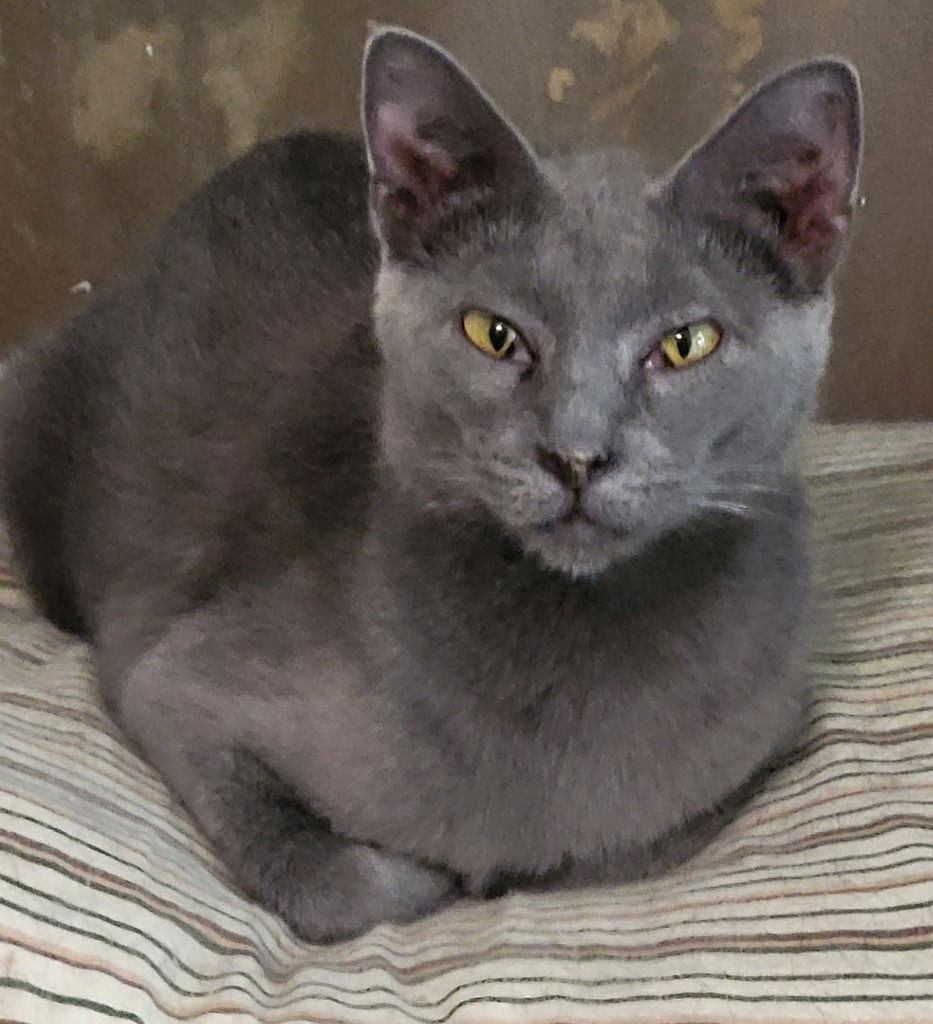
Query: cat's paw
364	887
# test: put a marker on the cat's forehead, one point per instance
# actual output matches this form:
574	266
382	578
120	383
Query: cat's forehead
601	200
608	181
601	256
601	246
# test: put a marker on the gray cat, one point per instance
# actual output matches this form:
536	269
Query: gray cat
494	579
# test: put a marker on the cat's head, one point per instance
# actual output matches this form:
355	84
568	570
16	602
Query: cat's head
590	356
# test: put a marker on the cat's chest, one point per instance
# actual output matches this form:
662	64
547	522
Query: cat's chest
510	737
579	773
614	757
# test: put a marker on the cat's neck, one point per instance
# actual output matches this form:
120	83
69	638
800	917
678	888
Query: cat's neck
455	592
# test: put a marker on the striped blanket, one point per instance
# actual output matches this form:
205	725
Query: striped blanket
815	905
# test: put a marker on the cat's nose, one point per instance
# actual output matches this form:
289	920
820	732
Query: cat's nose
574	469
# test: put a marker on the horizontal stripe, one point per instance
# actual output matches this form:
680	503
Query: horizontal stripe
84	1004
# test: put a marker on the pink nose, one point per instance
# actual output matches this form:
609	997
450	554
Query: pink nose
574	469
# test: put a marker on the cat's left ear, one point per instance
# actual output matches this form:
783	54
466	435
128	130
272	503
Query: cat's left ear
439	151
780	176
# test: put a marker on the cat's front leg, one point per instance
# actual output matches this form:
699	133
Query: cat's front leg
326	886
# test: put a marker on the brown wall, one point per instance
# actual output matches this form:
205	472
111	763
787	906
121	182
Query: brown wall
110	110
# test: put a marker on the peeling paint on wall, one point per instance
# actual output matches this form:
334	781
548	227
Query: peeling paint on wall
741	19
632	33
113	86
622	98
559	80
633	29
247	65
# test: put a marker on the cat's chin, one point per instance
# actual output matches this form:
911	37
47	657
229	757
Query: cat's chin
580	549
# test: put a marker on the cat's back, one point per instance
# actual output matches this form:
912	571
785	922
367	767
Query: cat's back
205	399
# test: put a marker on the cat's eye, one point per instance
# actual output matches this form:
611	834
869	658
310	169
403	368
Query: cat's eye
492	335
690	343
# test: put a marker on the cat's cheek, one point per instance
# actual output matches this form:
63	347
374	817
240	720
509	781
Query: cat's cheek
660	388
489	388
485	389
687	407
668	382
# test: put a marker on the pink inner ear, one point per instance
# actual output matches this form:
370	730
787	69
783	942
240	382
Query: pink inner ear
813	197
813	204
815	194
406	161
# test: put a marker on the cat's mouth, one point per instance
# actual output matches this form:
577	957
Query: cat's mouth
579	524
576	515
577	543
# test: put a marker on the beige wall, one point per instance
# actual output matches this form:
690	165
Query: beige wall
110	110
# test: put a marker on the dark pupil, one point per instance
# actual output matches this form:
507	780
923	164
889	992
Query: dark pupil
498	335
682	338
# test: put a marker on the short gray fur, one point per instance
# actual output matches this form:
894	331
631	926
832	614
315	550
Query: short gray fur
341	589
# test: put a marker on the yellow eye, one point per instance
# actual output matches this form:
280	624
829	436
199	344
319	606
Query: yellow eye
690	343
490	334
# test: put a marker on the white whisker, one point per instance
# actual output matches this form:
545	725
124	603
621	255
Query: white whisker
736	508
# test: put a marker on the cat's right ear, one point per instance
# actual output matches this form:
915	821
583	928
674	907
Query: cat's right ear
439	151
